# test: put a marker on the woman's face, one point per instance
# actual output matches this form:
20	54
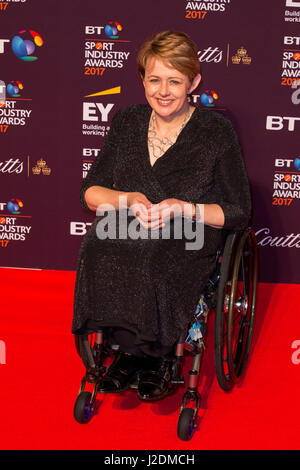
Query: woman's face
166	88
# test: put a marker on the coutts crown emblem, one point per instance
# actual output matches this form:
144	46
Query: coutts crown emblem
241	56
41	167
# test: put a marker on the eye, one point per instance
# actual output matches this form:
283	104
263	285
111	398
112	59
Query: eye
153	80
175	82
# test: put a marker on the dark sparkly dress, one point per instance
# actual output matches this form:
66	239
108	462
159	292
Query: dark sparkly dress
148	286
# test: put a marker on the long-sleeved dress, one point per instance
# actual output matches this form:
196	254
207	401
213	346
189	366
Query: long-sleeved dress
151	286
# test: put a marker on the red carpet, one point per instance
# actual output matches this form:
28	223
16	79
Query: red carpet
41	372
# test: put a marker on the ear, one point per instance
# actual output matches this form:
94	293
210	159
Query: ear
195	83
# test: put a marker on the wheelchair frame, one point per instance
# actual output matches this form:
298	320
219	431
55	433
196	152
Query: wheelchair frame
231	292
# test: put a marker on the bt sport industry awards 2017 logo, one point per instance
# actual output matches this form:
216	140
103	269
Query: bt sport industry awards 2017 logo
10	230
103	49
286	181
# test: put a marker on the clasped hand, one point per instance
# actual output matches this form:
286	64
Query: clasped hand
154	216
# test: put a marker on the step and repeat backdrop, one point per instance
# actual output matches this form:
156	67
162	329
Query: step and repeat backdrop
66	67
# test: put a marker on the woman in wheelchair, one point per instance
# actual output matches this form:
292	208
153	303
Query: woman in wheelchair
161	162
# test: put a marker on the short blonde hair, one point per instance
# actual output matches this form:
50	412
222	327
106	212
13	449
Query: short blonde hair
174	47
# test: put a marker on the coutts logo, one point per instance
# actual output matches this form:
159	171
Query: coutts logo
286	241
210	54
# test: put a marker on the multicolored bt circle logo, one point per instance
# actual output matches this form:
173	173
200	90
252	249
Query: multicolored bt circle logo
297	163
14	206
14	88
112	28
208	98
23	45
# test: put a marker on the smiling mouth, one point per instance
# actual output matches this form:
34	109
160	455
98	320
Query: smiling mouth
164	102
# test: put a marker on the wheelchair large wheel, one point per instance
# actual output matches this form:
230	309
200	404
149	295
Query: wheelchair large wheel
235	309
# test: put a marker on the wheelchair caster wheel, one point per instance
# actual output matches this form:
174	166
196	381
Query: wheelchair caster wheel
186	424
83	408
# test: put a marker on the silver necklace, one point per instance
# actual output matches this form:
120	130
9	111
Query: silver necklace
159	145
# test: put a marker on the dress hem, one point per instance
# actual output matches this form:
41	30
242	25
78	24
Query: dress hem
140	337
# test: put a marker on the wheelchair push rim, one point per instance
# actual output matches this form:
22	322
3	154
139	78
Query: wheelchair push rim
235	311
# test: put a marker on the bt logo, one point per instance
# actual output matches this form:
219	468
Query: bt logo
111	29
88	152
208	98
291	40
23	45
14	206
79	228
277	123
2	44
286	162
14	88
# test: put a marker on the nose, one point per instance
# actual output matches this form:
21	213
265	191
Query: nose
164	88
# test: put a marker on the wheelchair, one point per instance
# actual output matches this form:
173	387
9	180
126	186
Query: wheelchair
231	292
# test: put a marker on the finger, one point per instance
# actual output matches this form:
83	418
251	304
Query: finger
157	212
151	225
152	217
166	214
149	215
139	209
148	204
